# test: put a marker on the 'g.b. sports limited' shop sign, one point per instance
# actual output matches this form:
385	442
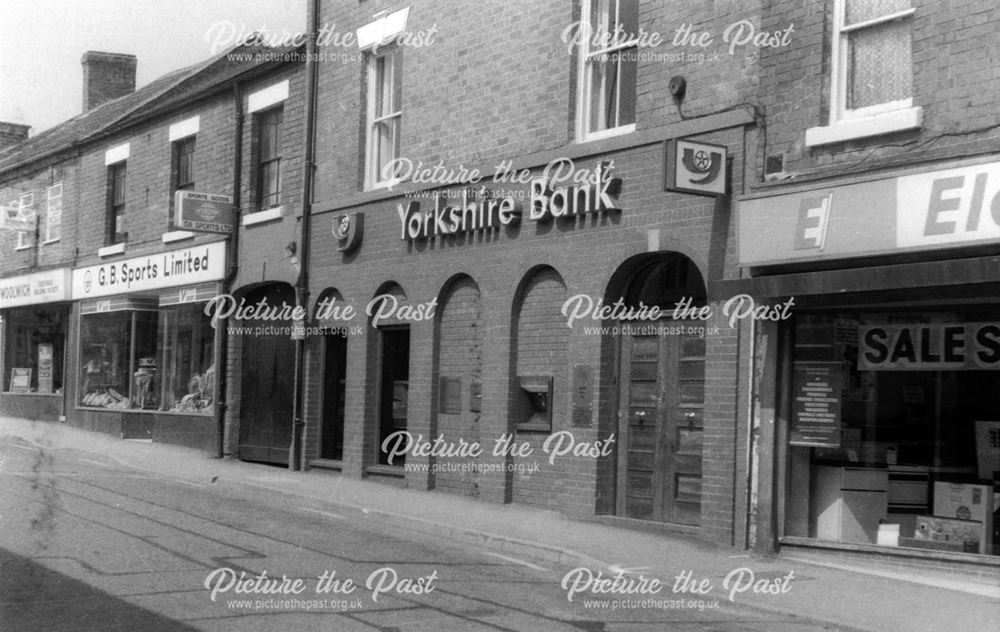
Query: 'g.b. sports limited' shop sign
197	264
592	191
930	210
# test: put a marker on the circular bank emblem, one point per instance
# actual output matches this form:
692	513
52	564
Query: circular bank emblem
88	280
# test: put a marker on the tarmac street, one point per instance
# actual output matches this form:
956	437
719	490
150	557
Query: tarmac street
102	534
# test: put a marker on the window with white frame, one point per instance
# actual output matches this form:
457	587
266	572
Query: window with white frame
53	213
608	64
385	115
26	203
871	88
873	71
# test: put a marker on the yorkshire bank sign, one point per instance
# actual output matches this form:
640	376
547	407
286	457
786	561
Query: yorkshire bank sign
949	208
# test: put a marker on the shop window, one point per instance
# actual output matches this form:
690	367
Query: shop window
268	173
883	429
53	213
26	239
608	67
134	359
115	230
871	71
35	342
187	353
105	355
385	114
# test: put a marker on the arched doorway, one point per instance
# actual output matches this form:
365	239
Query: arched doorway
267	381
662	396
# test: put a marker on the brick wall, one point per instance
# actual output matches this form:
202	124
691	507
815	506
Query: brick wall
954	54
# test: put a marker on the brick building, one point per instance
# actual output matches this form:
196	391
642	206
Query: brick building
519	87
104	325
877	399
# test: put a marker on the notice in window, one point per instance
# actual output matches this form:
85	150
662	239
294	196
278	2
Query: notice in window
816	392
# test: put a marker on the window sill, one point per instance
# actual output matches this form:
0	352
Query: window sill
259	217
50	241
876	125
607	133
534	427
20	248
176	235
115	249
383	185
30	394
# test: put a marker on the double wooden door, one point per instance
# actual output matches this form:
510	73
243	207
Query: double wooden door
661	425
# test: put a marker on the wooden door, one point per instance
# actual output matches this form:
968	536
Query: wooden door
267	386
661	426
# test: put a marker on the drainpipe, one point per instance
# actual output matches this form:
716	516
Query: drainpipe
296	456
232	267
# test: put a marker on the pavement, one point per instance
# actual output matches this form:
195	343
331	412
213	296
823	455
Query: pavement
867	595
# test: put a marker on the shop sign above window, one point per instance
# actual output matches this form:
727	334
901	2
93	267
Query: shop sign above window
933	210
197	264
30	289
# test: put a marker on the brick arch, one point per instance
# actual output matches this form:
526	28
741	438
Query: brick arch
458	370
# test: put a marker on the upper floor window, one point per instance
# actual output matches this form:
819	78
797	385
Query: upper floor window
871	67
53	213
184	164
269	158
608	63
116	233
385	114
26	203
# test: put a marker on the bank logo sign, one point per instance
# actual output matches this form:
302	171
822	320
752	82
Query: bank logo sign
698	168
924	211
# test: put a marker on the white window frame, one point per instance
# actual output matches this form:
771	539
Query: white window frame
372	176
26	240
872	120
53	202
583	76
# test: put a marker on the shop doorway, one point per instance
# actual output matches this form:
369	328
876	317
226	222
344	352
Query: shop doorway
394	375
334	385
662	399
266	385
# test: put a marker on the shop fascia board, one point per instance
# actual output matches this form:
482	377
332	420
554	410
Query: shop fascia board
574	151
923	274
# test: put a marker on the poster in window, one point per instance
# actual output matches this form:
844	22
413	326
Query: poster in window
44	368
816	391
20	380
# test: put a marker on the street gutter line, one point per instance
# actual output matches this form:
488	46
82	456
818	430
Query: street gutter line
324	513
514	560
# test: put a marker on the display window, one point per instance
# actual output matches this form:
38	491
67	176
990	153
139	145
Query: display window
889	435
35	339
187	350
148	360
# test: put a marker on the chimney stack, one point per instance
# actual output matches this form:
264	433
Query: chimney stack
106	76
12	134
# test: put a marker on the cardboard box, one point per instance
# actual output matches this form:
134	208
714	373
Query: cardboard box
969	534
966	502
